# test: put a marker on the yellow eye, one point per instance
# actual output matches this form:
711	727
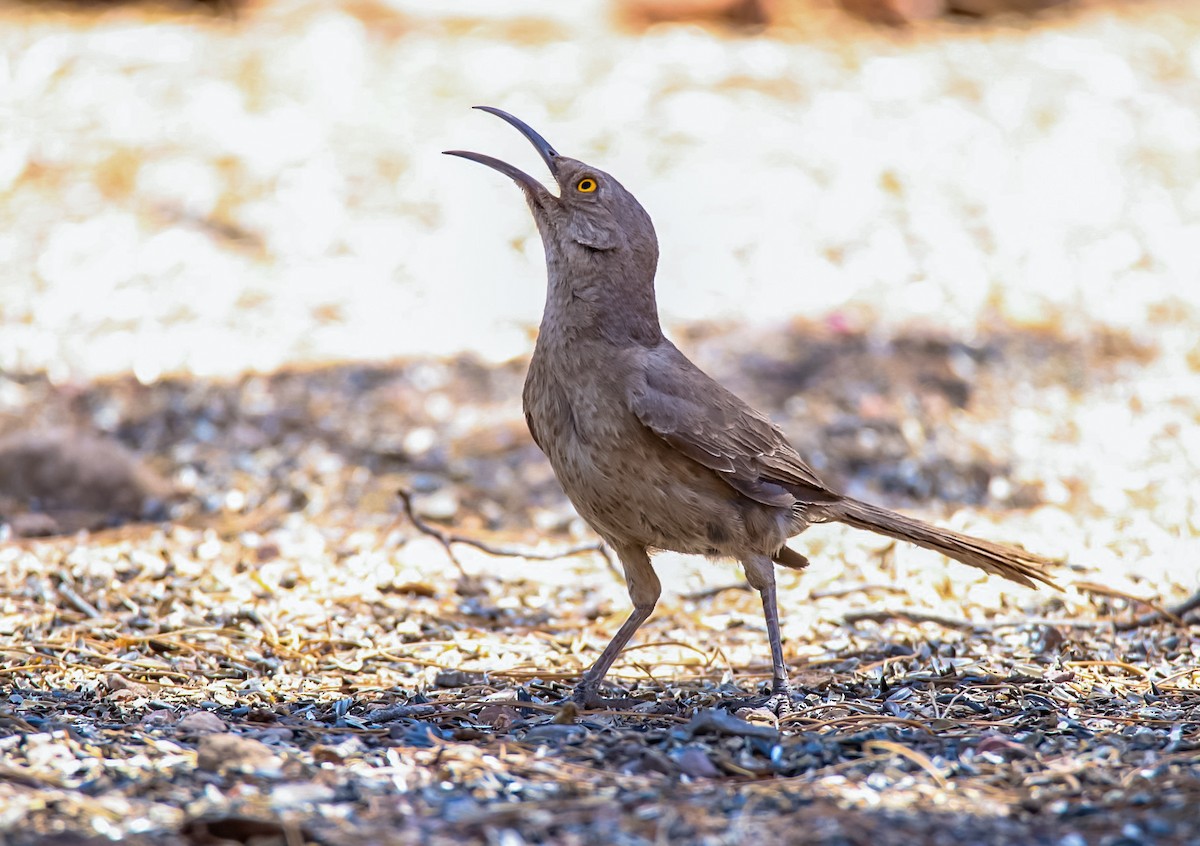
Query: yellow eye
586	185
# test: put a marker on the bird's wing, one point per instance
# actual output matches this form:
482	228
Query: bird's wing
691	412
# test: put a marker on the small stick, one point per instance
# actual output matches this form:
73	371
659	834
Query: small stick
910	616
76	601
447	538
1175	615
1157	611
981	625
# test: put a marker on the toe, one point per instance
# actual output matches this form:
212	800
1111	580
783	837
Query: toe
590	699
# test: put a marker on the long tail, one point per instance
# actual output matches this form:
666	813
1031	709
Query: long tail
1008	561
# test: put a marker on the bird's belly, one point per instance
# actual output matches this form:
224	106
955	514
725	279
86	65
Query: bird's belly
632	487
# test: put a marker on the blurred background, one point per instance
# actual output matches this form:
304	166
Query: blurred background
214	187
1005	192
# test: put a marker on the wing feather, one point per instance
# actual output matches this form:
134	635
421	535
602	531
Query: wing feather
695	415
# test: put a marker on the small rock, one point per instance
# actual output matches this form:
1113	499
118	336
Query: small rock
337	753
452	678
694	761
118	683
499	716
567	715
75	471
277	734
300	793
34	525
202	722
555	733
442	505
158	718
231	753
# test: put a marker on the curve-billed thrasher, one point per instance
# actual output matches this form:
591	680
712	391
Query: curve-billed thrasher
652	452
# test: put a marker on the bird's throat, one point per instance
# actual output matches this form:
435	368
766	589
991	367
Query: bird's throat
585	309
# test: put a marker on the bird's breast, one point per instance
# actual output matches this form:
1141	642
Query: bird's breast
629	484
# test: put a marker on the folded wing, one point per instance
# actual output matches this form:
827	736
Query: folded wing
695	415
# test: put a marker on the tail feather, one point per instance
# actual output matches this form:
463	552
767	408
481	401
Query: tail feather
1001	559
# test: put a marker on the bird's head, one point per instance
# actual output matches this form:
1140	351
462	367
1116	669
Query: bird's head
593	215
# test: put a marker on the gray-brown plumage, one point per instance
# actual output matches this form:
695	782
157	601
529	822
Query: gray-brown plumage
652	452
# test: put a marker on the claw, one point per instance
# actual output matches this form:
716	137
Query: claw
589	698
780	702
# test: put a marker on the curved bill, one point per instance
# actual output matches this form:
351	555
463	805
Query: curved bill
521	177
548	153
539	143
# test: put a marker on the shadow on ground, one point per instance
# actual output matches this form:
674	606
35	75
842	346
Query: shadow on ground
894	419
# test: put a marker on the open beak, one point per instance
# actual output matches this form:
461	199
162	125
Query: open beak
548	154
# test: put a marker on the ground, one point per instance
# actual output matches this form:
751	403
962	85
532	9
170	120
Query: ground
956	264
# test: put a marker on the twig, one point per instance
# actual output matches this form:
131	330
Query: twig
1157	611
446	538
1187	606
76	601
913	755
967	625
821	725
397	712
910	616
1175	615
1185	672
1132	669
26	777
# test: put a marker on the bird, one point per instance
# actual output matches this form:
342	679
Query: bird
652	452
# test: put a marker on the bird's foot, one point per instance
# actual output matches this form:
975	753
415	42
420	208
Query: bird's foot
587	697
781	701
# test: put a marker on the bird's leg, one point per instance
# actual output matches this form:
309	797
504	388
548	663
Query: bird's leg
644	590
760	573
587	692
